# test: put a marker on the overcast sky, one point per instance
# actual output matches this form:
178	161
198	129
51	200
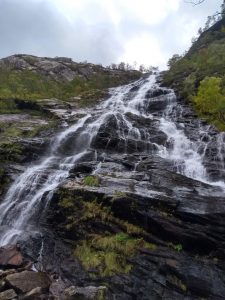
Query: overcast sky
102	31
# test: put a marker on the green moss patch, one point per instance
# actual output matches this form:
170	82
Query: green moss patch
91	181
104	243
107	255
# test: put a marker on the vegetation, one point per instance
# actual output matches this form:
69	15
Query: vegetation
177	247
210	100
10	151
92	181
108	254
8	106
199	75
109	241
29	85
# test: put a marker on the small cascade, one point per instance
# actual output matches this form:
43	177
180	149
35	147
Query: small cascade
143	118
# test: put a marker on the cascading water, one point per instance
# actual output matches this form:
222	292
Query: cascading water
28	197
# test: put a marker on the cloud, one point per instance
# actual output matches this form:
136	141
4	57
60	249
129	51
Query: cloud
101	31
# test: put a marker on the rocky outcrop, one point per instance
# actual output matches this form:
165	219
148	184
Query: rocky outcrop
58	68
167	210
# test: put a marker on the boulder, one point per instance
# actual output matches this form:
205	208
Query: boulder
27	280
33	294
8	294
10	257
85	293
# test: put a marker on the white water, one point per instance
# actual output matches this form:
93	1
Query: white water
28	197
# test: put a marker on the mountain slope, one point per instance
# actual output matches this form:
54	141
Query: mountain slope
31	77
199	76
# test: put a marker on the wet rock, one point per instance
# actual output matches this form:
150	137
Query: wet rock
157	92
2	285
34	294
8	295
27	280
57	288
10	257
85	293
7	272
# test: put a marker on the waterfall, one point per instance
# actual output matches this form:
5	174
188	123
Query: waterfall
28	197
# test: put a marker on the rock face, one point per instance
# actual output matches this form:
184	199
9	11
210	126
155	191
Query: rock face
128	199
58	68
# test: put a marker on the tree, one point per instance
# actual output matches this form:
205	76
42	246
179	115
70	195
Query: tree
210	98
173	60
198	2
122	66
142	68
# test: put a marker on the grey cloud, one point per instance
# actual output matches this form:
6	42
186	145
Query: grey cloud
36	27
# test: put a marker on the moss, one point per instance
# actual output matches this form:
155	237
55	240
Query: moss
8	106
77	210
10	151
177	247
91	181
108	254
109	242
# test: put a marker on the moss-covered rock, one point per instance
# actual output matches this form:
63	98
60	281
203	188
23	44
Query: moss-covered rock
103	243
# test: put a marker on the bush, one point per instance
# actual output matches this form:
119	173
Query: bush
210	101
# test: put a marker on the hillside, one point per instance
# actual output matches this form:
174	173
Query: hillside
199	76
31	78
38	93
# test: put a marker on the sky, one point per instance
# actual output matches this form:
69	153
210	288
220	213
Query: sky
147	32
